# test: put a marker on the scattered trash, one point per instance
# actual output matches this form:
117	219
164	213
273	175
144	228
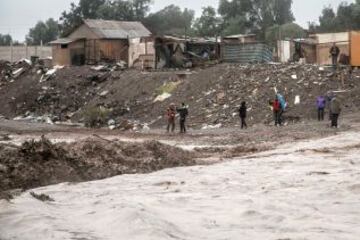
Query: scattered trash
206	127
47	75
99	68
162	97
103	93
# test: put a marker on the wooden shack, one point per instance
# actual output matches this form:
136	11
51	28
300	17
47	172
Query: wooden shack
324	43
104	41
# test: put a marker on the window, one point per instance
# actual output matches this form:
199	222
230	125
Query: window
64	46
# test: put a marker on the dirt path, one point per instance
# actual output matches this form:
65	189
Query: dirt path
35	155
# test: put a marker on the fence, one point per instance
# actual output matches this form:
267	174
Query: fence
246	53
15	53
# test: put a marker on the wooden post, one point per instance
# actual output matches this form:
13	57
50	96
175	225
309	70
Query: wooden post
11	52
41	49
26	51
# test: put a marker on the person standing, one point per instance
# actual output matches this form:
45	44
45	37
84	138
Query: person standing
329	97
334	52
243	113
321	103
283	106
170	113
277	112
335	107
183	112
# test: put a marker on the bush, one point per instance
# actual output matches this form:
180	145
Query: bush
96	117
166	88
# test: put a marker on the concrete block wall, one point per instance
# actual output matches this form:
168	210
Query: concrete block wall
15	53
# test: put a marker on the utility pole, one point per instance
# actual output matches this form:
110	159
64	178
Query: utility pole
11	51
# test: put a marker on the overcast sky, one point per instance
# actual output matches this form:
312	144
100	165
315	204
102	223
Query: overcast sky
17	16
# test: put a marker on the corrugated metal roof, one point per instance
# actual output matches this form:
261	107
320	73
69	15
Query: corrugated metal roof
240	36
63	41
117	29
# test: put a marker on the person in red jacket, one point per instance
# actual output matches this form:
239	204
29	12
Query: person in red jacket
277	112
170	114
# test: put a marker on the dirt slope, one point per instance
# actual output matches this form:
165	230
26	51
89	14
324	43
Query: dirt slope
213	94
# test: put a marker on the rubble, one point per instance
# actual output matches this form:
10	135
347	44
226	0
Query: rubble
39	163
162	97
213	93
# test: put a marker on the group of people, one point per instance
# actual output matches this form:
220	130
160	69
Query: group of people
279	106
171	115
333	105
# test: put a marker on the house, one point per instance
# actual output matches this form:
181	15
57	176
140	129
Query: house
315	49
105	41
324	41
293	50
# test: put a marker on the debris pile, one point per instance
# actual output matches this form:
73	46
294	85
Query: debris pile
11	71
134	99
39	163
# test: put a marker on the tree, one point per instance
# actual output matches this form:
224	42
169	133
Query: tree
171	20
135	10
288	30
86	9
208	24
116	10
140	8
122	10
5	40
347	17
255	15
43	32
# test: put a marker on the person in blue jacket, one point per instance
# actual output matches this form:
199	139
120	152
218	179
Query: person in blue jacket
321	104
283	106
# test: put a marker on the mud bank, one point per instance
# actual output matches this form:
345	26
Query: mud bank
40	163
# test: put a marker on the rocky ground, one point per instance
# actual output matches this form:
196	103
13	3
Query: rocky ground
130	99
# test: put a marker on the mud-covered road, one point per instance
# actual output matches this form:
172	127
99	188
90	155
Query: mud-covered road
33	155
307	189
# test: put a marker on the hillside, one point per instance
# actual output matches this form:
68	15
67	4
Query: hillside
213	93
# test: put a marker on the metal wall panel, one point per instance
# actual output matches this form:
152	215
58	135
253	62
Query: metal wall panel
246	53
355	48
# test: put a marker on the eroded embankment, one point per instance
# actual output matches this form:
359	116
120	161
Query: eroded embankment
40	163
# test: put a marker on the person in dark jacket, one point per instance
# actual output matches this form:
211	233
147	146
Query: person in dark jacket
242	114
334	52
321	104
335	107
329	97
183	112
